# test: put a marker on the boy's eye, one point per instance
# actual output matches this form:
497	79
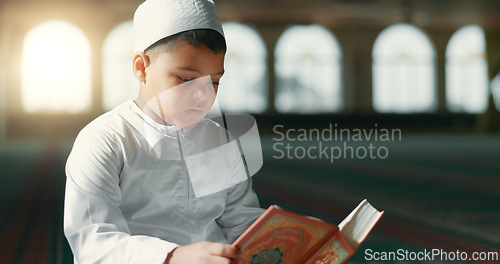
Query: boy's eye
188	80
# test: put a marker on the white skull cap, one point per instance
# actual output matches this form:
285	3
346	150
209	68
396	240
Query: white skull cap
157	19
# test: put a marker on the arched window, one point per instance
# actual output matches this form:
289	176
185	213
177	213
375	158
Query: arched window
467	71
56	69
244	85
118	81
495	90
403	71
308	69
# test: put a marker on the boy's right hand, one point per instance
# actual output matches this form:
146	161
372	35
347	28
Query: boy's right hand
203	253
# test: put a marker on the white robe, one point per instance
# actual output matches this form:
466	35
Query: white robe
129	197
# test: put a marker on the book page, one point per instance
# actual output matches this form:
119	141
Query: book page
356	226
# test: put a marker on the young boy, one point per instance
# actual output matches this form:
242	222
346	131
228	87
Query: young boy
136	189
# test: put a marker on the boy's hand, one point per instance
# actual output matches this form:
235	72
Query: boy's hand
203	253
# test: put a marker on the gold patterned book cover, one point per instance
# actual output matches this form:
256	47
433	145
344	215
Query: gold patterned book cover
281	236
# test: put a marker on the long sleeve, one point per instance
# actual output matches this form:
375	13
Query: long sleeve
93	222
242	209
242	205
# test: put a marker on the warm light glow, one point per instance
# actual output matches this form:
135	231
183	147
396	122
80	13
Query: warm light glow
56	69
403	71
467	71
118	81
495	90
308	71
243	87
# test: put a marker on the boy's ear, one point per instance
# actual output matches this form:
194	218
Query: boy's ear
140	63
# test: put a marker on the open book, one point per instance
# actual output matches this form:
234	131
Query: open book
280	236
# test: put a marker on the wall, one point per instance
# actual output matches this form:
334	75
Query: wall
356	24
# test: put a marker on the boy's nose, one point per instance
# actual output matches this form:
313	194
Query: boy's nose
199	92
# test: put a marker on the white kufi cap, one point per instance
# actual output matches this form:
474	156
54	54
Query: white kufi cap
157	19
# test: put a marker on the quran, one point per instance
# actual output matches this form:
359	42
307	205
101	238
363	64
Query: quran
281	236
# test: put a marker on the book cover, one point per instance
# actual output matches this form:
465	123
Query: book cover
281	236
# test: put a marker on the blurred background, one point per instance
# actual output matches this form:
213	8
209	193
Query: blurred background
428	69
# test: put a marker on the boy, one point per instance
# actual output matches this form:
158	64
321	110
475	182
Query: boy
137	188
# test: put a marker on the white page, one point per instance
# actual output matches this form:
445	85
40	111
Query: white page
356	226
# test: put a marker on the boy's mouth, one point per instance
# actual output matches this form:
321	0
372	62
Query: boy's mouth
194	111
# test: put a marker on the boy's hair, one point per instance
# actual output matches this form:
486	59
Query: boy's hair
211	38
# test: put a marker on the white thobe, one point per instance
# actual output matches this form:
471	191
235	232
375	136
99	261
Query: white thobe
129	198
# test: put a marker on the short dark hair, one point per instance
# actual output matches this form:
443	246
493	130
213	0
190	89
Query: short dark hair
211	38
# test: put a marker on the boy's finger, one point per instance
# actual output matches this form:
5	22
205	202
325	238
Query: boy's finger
219	260
224	250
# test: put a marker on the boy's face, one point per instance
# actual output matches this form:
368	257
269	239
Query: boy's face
181	85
